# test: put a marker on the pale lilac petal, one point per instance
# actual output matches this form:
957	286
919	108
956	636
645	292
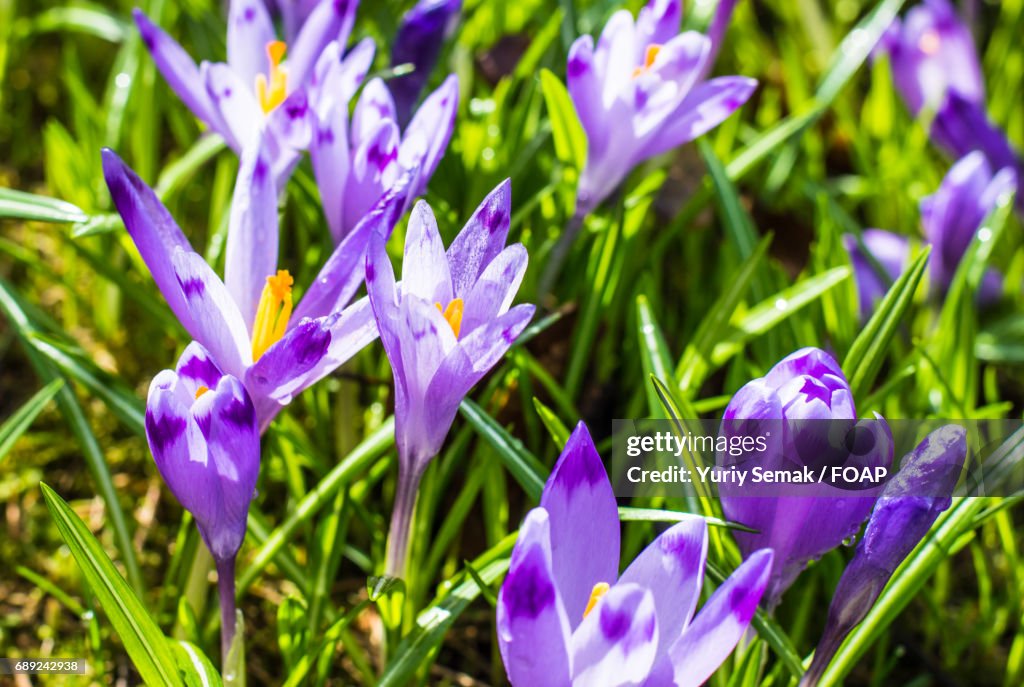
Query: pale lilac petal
235	103
585	85
659	91
426	338
330	156
617	55
251	252
584	523
154	231
178	69
250	29
216	322
424	266
426	138
373	169
374	106
706	106
616	644
481	239
721	623
278	373
493	293
196	369
533	629
658	21
291	123
331	21
339	74
672	567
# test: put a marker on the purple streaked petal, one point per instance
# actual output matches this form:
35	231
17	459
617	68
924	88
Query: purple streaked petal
154	231
721	623
278	373
420	37
250	29
584	84
672	567
493	292
291	123
235	103
658	21
706	106
251	252
809	361
616	644
658	92
196	369
481	239
584	523
424	265
330	156
374	168
533	629
426	138
374	106
332	20
178	69
216	322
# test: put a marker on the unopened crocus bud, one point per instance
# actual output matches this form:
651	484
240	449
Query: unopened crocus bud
889	252
420	37
907	508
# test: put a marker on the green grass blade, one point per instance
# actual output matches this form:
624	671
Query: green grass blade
523	466
570	141
28	206
24	416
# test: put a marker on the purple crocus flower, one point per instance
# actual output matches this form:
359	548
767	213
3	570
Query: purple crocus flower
566	616
889	250
905	511
356	161
642	92
954	213
443	327
293	14
247	322
419	40
257	91
805	387
202	431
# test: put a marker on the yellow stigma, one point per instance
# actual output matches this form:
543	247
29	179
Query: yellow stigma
201	390
650	55
453	313
599	590
929	42
272	94
272	313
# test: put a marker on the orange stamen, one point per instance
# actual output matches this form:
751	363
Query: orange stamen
453	314
272	313
599	590
272	93
201	390
650	55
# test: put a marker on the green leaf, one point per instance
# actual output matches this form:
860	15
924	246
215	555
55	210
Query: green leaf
868	351
523	465
558	431
28	206
145	643
23	417
194	665
655	357
570	140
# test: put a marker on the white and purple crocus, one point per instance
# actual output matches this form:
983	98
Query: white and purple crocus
257	91
202	430
567	617
248	322
642	92
793	400
950	217
443	327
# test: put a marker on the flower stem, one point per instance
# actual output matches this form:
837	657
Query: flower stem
226	590
401	522
559	253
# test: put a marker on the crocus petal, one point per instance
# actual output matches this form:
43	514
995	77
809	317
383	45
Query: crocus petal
658	92
250	29
533	629
216	322
672	567
584	523
339	74
331	21
178	447
279	371
178	69
721	623
809	361
658	21
425	267
196	369
375	104
235	103
373	169
251	252
616	644
706	106
151	227
426	138
481	240
418	42
330	155
291	123
493	292
585	85
889	250
617	54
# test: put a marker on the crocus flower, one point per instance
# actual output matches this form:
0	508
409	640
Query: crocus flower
890	251
257	91
641	92
202	431
419	40
356	162
804	387
293	14
935	68
954	213
443	327
906	510
566	616
249	324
